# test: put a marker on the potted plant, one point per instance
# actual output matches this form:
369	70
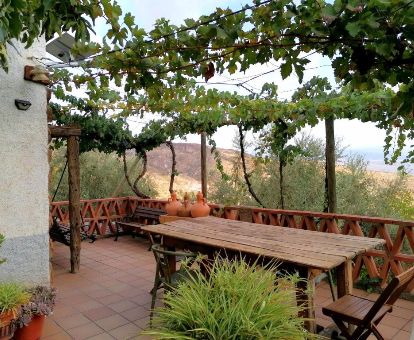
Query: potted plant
12	296
234	300
29	324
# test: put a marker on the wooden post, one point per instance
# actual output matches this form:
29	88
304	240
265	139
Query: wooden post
74	203
204	164
330	175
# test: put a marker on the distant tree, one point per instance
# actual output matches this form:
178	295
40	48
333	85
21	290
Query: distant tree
102	176
359	191
274	145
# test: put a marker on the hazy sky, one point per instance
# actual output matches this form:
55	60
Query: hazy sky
358	136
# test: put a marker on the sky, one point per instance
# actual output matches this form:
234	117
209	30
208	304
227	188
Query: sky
363	138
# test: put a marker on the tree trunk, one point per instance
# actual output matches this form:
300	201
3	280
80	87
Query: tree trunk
134	186
330	175
173	166
281	185
204	164
74	203
244	167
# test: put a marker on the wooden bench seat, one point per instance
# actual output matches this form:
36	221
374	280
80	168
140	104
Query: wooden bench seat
353	309
60	232
140	217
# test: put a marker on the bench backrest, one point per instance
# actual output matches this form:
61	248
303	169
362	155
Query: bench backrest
147	215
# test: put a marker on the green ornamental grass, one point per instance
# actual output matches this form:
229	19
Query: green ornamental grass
235	301
12	296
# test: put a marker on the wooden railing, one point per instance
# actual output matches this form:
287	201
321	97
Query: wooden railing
396	255
100	214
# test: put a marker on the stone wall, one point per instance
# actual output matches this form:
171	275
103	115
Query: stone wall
24	172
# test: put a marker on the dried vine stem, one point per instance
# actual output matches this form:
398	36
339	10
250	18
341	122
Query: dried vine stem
134	186
243	159
173	165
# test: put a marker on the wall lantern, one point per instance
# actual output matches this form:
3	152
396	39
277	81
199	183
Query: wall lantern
22	104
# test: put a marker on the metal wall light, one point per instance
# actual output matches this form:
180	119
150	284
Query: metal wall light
22	104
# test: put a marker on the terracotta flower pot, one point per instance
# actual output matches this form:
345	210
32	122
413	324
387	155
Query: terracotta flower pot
5	328
185	209
173	205
200	208
6	318
33	331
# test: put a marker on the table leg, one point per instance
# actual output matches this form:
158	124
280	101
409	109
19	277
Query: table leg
305	300
344	280
172	261
345	283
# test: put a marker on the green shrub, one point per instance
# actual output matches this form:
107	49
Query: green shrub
12	296
102	176
234	301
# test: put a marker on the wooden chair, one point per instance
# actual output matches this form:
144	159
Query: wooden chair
163	276
366	314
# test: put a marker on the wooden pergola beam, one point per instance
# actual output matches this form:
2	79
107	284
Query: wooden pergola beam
72	134
204	164
63	131
74	203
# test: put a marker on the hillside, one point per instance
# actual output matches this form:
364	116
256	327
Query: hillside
188	167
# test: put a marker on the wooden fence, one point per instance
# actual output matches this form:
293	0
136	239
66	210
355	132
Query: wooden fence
396	255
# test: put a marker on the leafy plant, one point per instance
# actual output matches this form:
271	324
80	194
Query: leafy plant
41	302
12	296
367	283
25	21
233	301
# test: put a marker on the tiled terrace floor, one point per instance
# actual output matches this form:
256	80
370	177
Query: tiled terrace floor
109	298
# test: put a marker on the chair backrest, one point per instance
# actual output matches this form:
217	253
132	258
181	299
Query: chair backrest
404	279
391	293
162	259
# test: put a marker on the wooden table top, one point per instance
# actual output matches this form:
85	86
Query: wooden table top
306	248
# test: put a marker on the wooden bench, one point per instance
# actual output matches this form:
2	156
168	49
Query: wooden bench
140	217
60	232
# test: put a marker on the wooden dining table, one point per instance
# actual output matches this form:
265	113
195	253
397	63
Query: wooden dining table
304	251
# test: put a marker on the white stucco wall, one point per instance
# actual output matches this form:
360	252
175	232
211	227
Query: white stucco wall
24	172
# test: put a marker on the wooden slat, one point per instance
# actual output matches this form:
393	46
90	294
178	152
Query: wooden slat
63	131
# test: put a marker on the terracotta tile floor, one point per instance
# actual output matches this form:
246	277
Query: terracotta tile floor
109	298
